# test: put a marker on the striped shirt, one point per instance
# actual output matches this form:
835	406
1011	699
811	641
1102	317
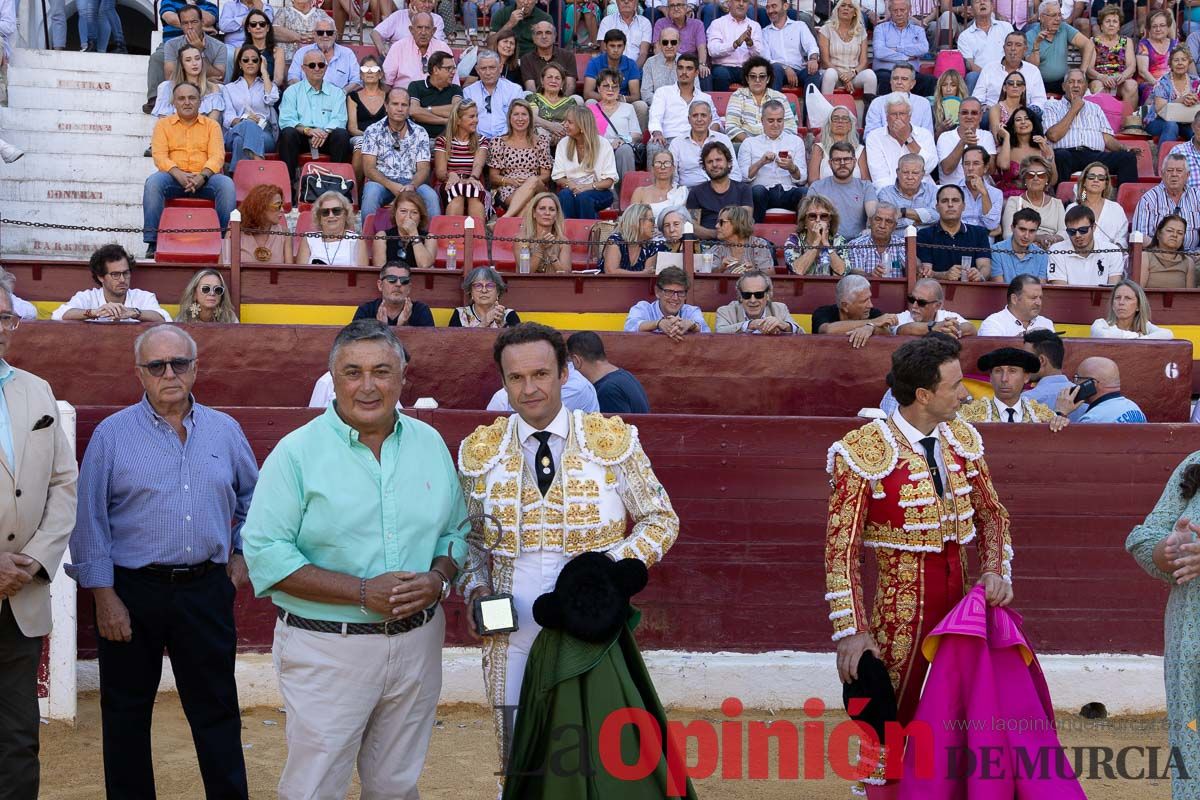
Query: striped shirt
1154	205
1087	130
1189	151
145	497
863	255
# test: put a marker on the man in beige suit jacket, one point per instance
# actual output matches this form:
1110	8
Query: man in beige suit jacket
37	515
753	311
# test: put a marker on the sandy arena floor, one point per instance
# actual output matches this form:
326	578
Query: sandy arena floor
462	752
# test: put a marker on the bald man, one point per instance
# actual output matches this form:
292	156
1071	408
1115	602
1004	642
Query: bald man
1106	404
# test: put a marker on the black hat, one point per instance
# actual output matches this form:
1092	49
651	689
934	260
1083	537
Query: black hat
590	600
1009	357
874	686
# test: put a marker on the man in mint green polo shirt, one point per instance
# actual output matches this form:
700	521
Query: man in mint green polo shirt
353	532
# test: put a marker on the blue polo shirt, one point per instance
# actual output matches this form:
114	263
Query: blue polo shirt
972	240
1007	265
171	31
629	70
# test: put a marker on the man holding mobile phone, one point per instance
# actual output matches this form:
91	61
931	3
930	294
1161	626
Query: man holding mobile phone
1098	384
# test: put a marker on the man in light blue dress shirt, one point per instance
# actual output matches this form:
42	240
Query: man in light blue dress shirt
669	314
492	95
312	113
899	41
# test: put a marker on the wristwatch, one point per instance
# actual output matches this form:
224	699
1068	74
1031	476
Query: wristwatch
445	584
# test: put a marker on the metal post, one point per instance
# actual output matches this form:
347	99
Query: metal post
235	261
1135	253
468	244
912	265
689	251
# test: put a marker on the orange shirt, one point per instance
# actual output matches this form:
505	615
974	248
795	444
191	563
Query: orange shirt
191	148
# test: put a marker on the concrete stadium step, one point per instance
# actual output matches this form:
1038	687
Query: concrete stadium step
82	197
82	82
71	212
65	244
47	98
58	170
95	123
109	145
102	66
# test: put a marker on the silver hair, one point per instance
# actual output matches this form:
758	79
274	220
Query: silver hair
680	210
367	330
160	329
773	105
8	283
1046	5
490	274
939	293
695	103
1170	157
849	285
898	101
486	54
754	273
910	158
886	206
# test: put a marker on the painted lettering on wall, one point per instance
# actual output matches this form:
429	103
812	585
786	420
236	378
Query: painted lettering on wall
103	86
72	194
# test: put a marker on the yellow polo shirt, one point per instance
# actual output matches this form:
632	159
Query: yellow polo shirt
190	147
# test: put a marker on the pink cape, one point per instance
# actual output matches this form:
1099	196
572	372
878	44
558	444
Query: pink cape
987	711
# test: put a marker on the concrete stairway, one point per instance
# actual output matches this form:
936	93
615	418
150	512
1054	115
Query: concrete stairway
78	118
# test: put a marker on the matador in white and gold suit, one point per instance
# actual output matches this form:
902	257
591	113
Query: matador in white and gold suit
602	476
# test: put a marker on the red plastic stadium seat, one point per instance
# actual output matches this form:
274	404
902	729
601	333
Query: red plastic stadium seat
343	170
304	224
1129	194
630	182
1066	192
190	202
188	248
1164	150
721	101
1145	157
251	173
361	51
504	254
776	234
577	231
581	64
306	158
845	101
445	225
777	217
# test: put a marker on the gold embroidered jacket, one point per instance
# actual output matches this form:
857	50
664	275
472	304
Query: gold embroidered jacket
604	474
984	410
884	497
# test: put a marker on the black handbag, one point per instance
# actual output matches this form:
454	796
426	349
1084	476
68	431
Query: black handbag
318	180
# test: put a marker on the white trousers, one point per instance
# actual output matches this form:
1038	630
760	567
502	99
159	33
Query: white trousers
534	574
367	698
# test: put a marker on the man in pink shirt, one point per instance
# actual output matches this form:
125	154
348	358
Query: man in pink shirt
408	59
732	39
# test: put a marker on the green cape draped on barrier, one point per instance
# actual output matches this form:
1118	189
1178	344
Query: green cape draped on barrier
569	689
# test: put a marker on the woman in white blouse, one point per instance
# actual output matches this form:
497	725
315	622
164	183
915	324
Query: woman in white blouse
840	127
249	119
1093	190
1128	316
190	67
665	191
333	242
584	168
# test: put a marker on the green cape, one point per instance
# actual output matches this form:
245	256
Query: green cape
569	689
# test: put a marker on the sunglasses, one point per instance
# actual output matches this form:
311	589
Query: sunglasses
258	23
1040	174
331	212
322	33
1081	231
276	205
754	295
370	70
919	302
1096	176
669	42
1019	84
315	65
251	60
158	367
817	215
217	290
393	279
757	76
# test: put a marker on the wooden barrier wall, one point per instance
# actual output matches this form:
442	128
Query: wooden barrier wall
747	572
276	365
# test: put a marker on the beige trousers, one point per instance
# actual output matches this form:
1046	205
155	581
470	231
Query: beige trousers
370	698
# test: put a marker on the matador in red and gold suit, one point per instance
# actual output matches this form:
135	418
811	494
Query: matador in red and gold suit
884	498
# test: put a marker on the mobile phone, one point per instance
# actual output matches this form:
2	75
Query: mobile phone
783	153
1084	390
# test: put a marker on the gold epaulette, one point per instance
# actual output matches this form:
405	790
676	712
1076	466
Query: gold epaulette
480	451
1040	411
869	451
977	410
604	440
963	437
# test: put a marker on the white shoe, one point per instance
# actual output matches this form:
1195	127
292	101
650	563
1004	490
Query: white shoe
9	153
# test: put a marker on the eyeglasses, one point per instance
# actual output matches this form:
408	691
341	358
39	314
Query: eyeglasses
483	285
669	42
119	274
611	87
158	367
1039	174
276	205
322	33
676	293
919	303
1019	84
9	322
816	215
217	290
1096	176
251	60
258	23
315	65
841	160
754	295
393	279
371	70
335	211
757	76
1080	231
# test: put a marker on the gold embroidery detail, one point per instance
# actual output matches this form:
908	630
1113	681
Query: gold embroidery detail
868	452
482	445
608	438
577	487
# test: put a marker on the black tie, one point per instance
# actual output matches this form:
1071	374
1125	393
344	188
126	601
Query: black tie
543	462
929	443
1012	414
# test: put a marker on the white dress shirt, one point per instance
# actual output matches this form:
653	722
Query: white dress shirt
905	317
724	32
771	174
91	299
922	112
578	394
669	111
984	47
883	154
559	428
914	438
1003	323
686	152
991	81
792	44
1002	410
949	140
635	32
